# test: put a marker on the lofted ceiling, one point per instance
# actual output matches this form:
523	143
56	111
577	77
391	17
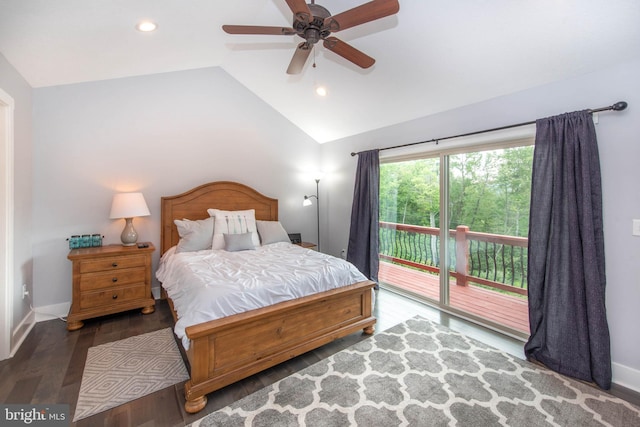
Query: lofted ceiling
430	57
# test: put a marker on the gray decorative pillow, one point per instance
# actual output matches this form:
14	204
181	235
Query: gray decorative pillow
194	235
271	232
238	242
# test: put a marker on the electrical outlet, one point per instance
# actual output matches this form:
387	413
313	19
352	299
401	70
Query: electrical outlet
343	254
636	227
25	292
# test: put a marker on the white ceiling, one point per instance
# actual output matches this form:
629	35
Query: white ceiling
430	57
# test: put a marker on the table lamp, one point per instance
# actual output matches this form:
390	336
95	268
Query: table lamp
128	206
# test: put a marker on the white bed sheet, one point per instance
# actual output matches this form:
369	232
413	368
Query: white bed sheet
212	284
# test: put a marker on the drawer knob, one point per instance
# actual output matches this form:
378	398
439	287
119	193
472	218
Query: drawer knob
114	280
115	296
114	264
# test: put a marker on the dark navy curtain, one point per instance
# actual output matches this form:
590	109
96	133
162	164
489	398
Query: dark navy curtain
363	233
566	265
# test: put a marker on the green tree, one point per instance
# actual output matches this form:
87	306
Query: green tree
489	191
514	182
410	192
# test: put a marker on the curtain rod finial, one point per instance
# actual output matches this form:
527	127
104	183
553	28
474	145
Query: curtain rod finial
353	154
619	106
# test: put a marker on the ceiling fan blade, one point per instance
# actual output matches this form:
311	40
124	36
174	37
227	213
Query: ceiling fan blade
300	10
348	52
299	58
367	12
256	29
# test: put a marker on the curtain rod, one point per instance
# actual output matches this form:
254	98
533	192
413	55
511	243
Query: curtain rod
618	106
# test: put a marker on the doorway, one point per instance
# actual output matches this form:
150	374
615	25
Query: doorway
6	222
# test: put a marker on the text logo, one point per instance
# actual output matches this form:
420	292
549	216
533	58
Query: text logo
34	415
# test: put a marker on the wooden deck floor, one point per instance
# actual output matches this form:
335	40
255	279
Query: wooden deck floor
506	310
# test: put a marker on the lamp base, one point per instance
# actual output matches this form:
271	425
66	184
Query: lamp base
129	236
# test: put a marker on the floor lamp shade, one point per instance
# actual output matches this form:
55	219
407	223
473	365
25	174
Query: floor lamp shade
128	206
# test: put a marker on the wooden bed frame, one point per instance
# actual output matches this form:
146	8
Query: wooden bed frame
226	350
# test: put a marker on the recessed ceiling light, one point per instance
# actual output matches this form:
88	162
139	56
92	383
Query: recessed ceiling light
321	91
146	26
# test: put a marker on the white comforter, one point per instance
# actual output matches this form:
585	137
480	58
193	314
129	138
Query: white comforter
212	284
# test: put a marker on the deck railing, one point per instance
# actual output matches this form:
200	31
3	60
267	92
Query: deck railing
491	260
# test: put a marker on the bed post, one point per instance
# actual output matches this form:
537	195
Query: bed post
195	397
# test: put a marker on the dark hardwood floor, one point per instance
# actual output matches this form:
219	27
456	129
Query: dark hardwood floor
48	366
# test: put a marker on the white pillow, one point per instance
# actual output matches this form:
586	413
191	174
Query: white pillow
194	235
271	232
233	222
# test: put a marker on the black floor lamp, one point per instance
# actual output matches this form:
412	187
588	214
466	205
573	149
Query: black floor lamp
307	202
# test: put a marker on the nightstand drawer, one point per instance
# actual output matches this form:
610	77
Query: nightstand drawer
111	296
110	279
111	263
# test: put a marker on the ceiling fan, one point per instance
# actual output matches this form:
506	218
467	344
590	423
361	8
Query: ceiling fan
313	23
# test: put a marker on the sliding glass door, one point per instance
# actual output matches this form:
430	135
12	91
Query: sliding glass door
465	213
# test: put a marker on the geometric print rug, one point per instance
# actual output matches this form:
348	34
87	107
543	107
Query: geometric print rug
420	373
125	370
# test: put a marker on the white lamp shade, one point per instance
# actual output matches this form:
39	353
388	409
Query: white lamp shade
306	202
128	205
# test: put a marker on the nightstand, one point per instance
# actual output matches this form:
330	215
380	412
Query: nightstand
109	279
307	245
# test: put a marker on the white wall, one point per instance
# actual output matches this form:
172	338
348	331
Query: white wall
619	143
15	86
161	135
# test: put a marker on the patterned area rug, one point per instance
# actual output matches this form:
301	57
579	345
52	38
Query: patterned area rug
121	371
419	373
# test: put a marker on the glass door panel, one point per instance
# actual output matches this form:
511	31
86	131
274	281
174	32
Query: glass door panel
488	207
409	226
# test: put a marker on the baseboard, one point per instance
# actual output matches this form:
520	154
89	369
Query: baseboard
60	311
626	376
53	311
21	332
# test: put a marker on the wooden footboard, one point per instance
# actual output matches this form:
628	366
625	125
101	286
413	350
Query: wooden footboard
226	350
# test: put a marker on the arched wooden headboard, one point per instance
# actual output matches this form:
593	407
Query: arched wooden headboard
225	195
